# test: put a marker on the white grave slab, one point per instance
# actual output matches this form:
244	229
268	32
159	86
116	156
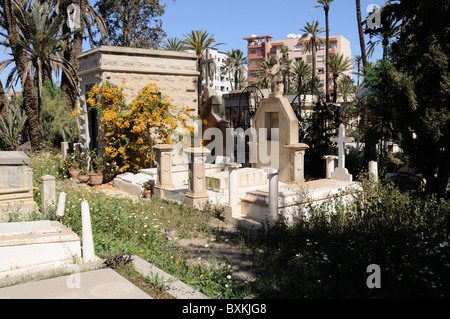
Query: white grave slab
33	246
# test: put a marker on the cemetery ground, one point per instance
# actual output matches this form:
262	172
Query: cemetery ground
324	256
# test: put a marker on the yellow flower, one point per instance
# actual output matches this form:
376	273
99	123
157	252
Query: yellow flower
74	113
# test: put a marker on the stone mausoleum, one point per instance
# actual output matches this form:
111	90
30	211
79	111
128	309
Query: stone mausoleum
175	74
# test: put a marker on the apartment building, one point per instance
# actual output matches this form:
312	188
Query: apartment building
221	83
260	47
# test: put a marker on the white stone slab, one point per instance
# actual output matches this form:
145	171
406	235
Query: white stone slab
28	246
22	228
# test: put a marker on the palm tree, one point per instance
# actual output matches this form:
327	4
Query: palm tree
338	65
358	62
311	41
30	99
325	4
302	71
362	42
174	44
235	63
264	71
285	67
390	28
42	43
199	41
345	87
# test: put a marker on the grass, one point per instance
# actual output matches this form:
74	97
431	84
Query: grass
324	256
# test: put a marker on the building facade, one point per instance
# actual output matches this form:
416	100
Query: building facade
263	46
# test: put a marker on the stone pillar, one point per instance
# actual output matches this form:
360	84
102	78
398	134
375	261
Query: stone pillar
196	195
373	171
48	192
164	163
297	162
232	209
329	164
61	204
88	240
272	215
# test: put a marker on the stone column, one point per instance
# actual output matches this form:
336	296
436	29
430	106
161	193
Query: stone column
61	204
329	164
88	240
232	209
196	195
48	192
272	215
164	163
373	171
297	162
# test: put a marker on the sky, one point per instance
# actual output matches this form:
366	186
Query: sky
231	20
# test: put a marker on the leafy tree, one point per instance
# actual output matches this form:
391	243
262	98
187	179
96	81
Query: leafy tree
412	92
234	63
132	23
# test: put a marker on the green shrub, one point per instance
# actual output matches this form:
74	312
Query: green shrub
56	120
326	256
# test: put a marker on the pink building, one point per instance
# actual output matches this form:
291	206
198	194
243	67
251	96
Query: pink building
264	46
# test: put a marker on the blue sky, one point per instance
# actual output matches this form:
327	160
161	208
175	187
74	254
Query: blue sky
232	20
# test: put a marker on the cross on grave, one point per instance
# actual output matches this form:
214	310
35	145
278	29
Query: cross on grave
341	139
207	62
341	173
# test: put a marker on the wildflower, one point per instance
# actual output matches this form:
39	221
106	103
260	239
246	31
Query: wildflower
206	245
229	277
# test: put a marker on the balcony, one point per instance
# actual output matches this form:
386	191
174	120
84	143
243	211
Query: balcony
255	45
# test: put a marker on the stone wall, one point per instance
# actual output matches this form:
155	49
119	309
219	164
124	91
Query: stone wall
175	74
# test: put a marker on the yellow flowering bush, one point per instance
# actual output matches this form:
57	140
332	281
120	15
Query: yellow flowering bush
131	130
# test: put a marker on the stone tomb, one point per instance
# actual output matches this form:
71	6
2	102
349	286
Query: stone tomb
175	74
27	247
277	144
16	184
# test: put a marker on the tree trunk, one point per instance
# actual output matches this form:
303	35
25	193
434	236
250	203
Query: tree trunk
327	54
335	88
313	68
3	108
30	99
362	42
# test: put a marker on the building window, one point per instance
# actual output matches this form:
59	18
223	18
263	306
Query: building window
333	45
298	59
320	58
321	46
252	51
298	47
320	71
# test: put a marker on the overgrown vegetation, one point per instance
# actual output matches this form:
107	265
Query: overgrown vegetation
325	256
